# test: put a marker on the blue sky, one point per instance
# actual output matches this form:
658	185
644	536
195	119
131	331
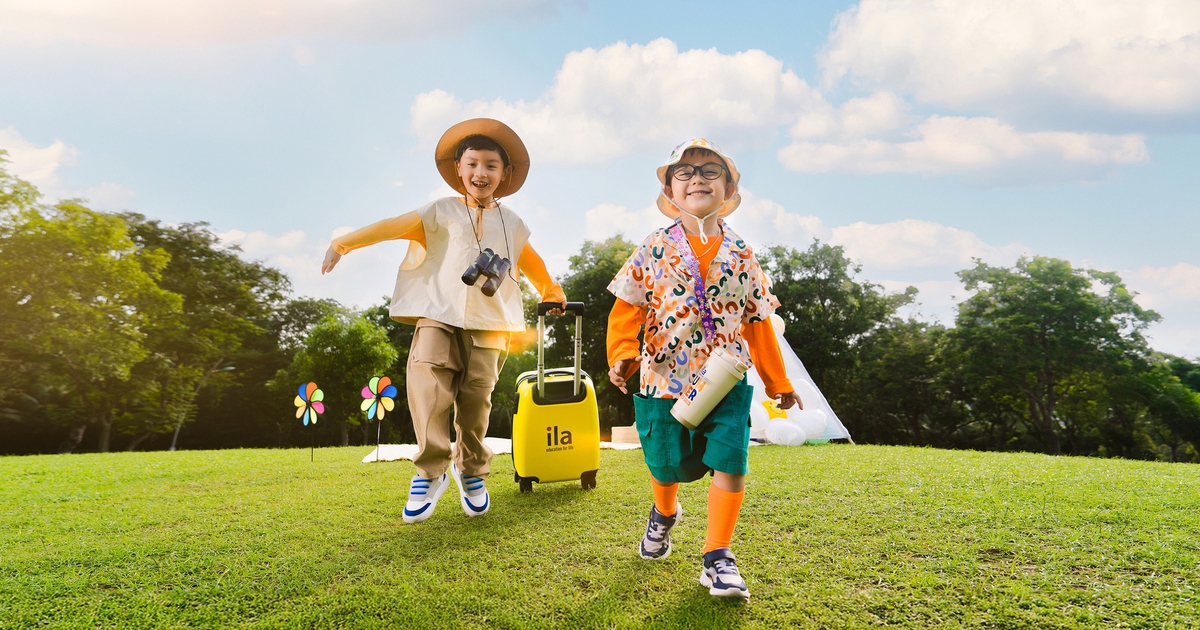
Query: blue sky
918	137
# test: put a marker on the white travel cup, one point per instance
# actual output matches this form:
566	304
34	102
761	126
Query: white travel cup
708	387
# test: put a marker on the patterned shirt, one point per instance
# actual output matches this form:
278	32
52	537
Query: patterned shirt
673	346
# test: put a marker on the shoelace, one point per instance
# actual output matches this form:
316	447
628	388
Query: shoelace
725	567
419	487
657	532
472	483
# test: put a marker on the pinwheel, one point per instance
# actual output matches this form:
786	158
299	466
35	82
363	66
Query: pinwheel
308	403
379	397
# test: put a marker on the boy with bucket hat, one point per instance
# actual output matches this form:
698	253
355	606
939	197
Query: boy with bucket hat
699	291
458	286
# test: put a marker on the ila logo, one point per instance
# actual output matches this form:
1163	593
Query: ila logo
555	438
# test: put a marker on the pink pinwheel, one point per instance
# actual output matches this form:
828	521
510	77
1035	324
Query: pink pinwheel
308	403
379	397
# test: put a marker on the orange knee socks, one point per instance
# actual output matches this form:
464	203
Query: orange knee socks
664	496
723	509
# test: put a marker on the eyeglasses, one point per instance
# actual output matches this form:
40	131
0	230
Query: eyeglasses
710	171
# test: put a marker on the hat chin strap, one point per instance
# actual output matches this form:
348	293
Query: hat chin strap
700	220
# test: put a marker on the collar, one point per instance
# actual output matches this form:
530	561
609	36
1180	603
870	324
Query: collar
471	203
724	250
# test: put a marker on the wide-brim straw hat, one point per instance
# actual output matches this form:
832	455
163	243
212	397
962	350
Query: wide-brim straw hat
666	207
518	156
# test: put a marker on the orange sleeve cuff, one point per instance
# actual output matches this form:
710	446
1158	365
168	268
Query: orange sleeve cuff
534	268
624	322
406	226
767	357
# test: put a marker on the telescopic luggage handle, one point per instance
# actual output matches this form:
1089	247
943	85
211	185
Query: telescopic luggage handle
542	309
546	307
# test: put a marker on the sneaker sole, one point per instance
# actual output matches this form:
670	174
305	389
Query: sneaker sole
678	520
721	592
432	505
469	509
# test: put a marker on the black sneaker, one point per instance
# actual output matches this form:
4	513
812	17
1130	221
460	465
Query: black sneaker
720	575
656	543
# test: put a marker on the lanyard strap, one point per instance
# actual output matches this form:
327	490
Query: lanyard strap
689	259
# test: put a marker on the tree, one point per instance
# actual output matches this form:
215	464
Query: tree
225	300
904	390
75	296
587	279
1040	333
341	355
239	415
827	311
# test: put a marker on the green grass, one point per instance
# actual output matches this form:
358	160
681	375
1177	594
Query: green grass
831	536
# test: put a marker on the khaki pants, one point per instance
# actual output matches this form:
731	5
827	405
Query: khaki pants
449	369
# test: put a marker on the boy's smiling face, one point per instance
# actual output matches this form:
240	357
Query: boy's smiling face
698	196
481	172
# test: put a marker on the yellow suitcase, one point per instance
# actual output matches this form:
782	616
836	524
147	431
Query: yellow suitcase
556	428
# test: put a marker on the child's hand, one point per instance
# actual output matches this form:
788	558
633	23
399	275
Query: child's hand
331	260
787	399
621	372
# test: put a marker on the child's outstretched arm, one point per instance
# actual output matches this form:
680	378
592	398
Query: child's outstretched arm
534	268
406	226
768	358
624	354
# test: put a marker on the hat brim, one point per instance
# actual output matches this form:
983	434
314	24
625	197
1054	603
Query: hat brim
518	155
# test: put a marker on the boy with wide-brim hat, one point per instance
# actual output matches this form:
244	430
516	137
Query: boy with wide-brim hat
696	287
462	332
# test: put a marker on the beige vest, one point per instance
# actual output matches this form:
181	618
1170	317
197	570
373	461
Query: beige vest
430	280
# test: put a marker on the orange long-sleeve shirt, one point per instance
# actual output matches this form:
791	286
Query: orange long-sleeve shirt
626	320
408	226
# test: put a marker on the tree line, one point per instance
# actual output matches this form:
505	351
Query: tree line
121	332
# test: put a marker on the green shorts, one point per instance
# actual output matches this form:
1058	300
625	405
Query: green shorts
675	453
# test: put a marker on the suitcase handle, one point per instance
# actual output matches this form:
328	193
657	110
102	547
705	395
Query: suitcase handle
543	308
573	307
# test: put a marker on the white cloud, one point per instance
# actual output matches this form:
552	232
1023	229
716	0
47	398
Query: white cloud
911	244
1141	56
40	167
158	24
607	220
1174	292
763	222
36	165
1166	286
361	278
625	98
858	142
109	197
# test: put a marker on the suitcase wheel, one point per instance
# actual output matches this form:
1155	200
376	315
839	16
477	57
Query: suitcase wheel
526	485
588	480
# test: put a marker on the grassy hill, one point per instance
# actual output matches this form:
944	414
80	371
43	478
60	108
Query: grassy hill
831	536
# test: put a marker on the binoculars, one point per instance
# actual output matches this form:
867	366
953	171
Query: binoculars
491	266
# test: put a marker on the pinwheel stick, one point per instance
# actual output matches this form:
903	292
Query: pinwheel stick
378	398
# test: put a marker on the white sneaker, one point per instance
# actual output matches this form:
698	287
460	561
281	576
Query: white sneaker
656	542
720	575
423	495
472	492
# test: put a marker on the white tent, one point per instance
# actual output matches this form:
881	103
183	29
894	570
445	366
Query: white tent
792	426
